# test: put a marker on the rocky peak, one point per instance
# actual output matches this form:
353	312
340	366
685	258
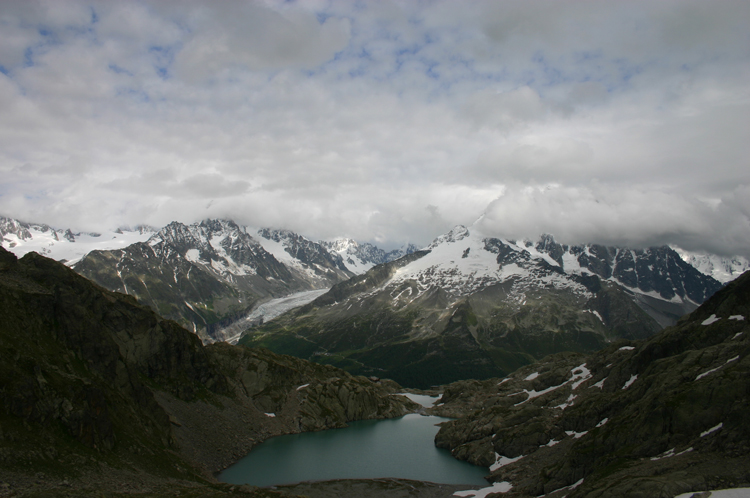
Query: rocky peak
343	245
11	226
176	234
402	251
548	245
304	250
723	269
457	233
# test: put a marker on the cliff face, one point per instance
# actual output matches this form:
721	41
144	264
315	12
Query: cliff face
96	390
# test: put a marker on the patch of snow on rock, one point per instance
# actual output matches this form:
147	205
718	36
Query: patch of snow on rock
580	375
600	384
630	381
576	435
670	453
712	429
502	461
711	319
498	487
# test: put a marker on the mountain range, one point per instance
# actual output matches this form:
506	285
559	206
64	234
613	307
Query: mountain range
65	245
216	277
471	306
99	396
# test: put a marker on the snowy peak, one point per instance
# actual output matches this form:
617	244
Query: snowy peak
361	256
722	269
302	251
343	245
222	246
18	229
548	245
471	306
655	271
64	245
462	263
404	250
357	257
459	232
210	274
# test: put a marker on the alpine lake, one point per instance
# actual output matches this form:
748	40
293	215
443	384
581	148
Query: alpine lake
369	449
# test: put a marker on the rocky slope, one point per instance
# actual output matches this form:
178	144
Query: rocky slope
471	306
648	418
99	395
209	274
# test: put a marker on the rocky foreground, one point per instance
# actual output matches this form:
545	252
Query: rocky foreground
654	418
101	396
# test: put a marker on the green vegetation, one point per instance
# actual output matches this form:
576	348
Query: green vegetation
420	346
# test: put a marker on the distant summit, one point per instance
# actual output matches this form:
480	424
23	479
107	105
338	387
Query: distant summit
64	244
361	256
722	269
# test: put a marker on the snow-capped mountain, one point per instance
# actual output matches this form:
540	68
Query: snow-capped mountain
297	252
472	306
722	269
65	245
361	256
210	274
462	263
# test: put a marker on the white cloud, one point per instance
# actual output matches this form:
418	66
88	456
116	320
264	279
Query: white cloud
384	121
256	37
638	216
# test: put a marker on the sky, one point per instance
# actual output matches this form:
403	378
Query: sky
622	123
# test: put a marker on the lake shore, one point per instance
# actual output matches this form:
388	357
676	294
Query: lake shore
372	488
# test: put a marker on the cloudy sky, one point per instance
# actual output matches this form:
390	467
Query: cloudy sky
597	121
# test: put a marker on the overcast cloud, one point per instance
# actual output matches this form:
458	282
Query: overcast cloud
614	122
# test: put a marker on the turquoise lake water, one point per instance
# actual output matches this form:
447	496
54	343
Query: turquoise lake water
399	448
